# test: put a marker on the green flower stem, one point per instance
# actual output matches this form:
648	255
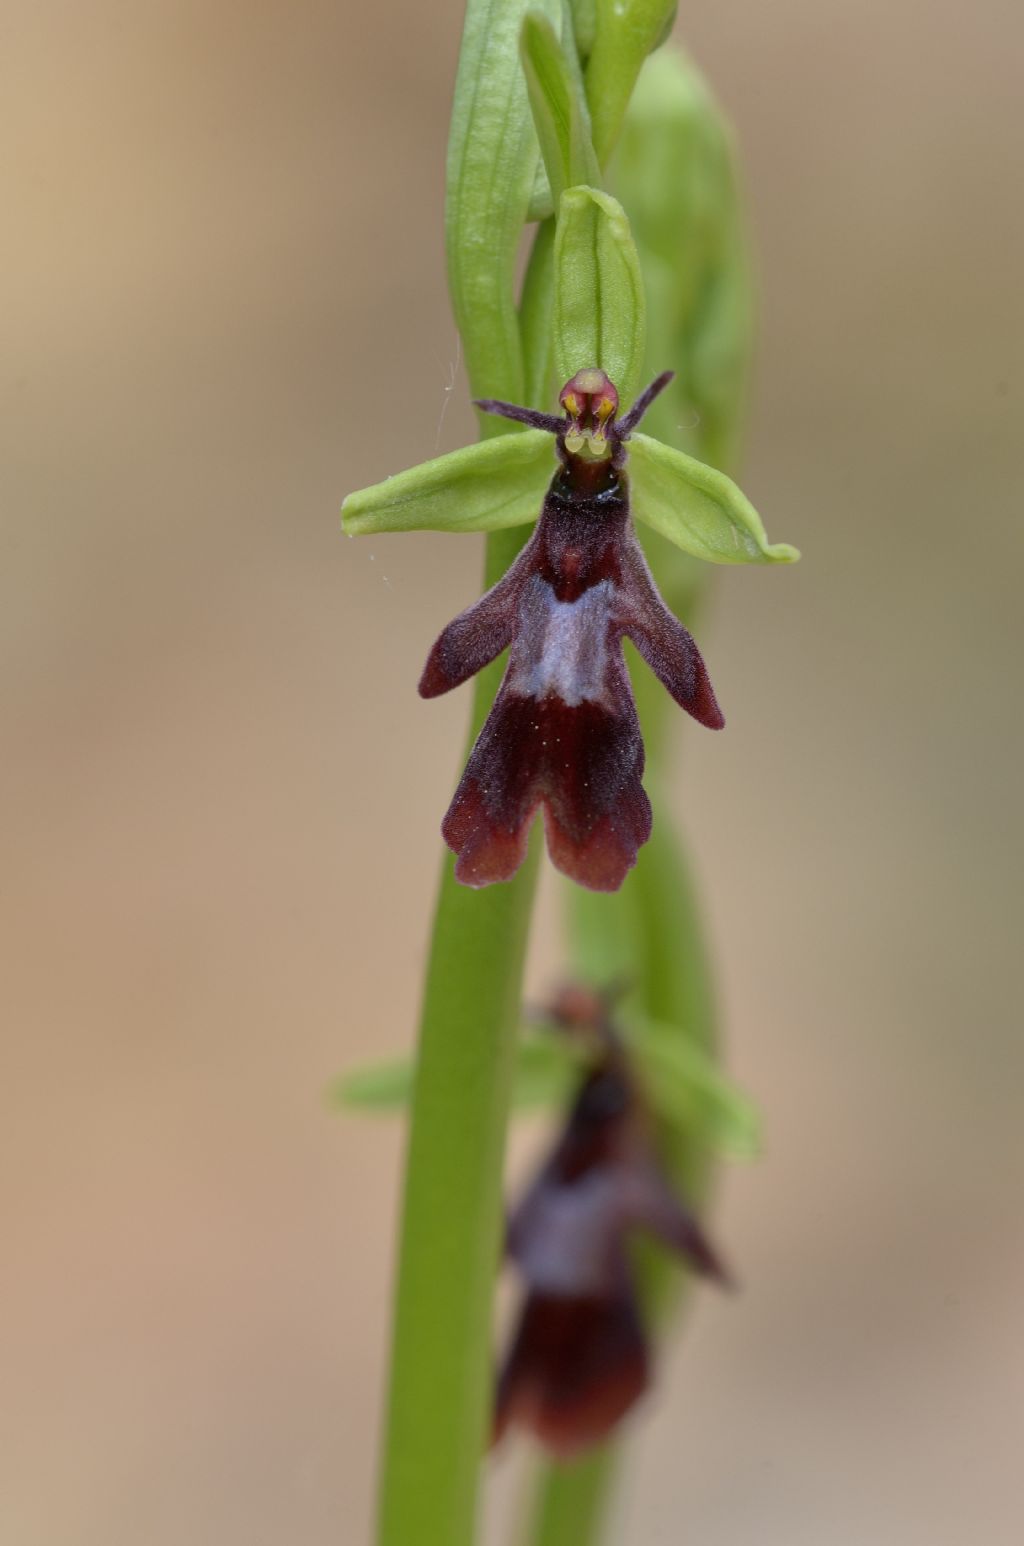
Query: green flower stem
440	1395
439	1405
571	1503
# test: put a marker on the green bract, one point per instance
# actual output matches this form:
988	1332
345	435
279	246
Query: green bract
599	307
484	487
492	162
625	31
676	177
559	108
545	1071
570	96
700	510
536	309
684	1088
689	1092
584	21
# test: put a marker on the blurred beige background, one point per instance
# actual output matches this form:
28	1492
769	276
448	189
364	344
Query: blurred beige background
223	306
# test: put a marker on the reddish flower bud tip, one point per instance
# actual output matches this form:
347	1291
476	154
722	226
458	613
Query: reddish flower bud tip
578	1007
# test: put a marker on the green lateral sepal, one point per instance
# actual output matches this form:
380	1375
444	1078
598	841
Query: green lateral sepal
690	1094
547	1068
484	487
697	508
681	1084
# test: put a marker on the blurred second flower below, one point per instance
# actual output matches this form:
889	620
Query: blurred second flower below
579	1356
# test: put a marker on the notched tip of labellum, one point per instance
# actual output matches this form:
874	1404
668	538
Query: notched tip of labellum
579	1358
581	765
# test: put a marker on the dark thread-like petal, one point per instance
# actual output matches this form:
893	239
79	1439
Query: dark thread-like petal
624	427
536	420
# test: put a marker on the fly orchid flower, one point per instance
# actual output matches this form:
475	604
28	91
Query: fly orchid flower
579	1357
563	733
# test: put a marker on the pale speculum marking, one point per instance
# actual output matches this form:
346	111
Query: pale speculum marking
561	647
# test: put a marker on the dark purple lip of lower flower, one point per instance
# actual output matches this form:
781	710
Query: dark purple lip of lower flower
563	734
575	1369
578	1359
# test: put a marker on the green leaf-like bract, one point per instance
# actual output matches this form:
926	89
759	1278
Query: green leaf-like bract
691	1095
492	163
599	307
680	1081
676	176
625	32
584	21
559	108
700	510
546	1070
484	487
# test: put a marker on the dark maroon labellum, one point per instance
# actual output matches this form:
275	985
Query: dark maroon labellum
563	734
579	1358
